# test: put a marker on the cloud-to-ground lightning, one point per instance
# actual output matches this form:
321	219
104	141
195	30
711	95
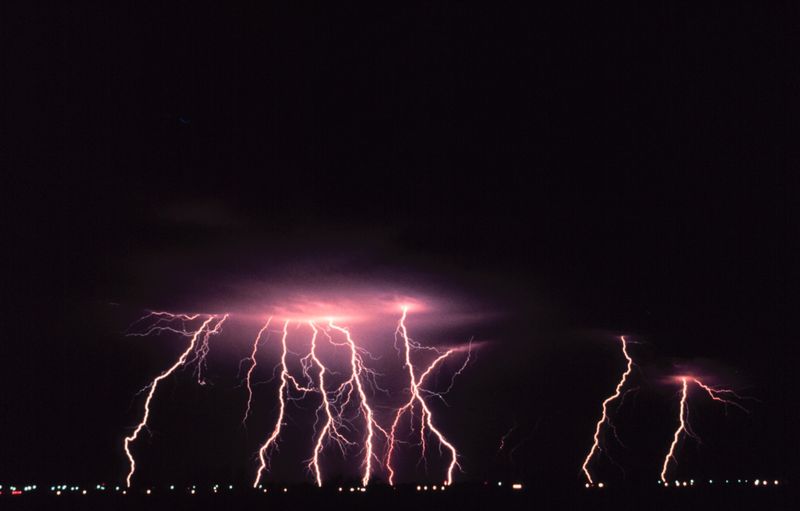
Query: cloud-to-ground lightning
355	382
253	363
345	414
416	392
197	345
604	415
683	416
263	452
682	426
330	428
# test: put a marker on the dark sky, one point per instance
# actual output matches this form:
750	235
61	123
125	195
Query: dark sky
579	172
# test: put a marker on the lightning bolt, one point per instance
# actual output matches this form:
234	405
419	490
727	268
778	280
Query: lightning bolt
249	375
683	416
340	405
165	323
330	428
358	371
416	397
282	392
604	416
714	393
677	435
505	437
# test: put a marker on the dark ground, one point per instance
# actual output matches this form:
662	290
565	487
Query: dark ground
464	498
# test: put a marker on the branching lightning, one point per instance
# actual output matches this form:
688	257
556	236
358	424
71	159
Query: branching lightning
282	391
198	345
682	426
345	415
358	373
683	416
249	375
330	428
604	416
416	392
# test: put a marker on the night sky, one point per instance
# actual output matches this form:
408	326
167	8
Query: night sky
561	176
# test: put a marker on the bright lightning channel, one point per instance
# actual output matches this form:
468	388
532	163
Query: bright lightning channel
164	322
604	416
683	416
416	396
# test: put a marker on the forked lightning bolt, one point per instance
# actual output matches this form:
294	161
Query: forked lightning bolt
249	375
197	345
341	406
332	424
282	391
355	382
416	397
604	415
683	416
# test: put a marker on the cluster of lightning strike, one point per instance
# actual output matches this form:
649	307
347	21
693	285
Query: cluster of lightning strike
717	394
604	416
416	397
344	416
197	349
332	411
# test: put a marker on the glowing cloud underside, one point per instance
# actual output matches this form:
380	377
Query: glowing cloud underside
345	415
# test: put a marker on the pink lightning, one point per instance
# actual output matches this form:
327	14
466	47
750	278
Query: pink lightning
333	418
331	427
604	416
415	396
249	375
263	451
355	382
683	416
677	435
163	323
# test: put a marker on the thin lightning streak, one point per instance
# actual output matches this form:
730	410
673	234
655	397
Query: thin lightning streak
330	428
357	368
263	451
676	436
253	362
714	394
683	416
604	416
504	438
154	384
416	397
